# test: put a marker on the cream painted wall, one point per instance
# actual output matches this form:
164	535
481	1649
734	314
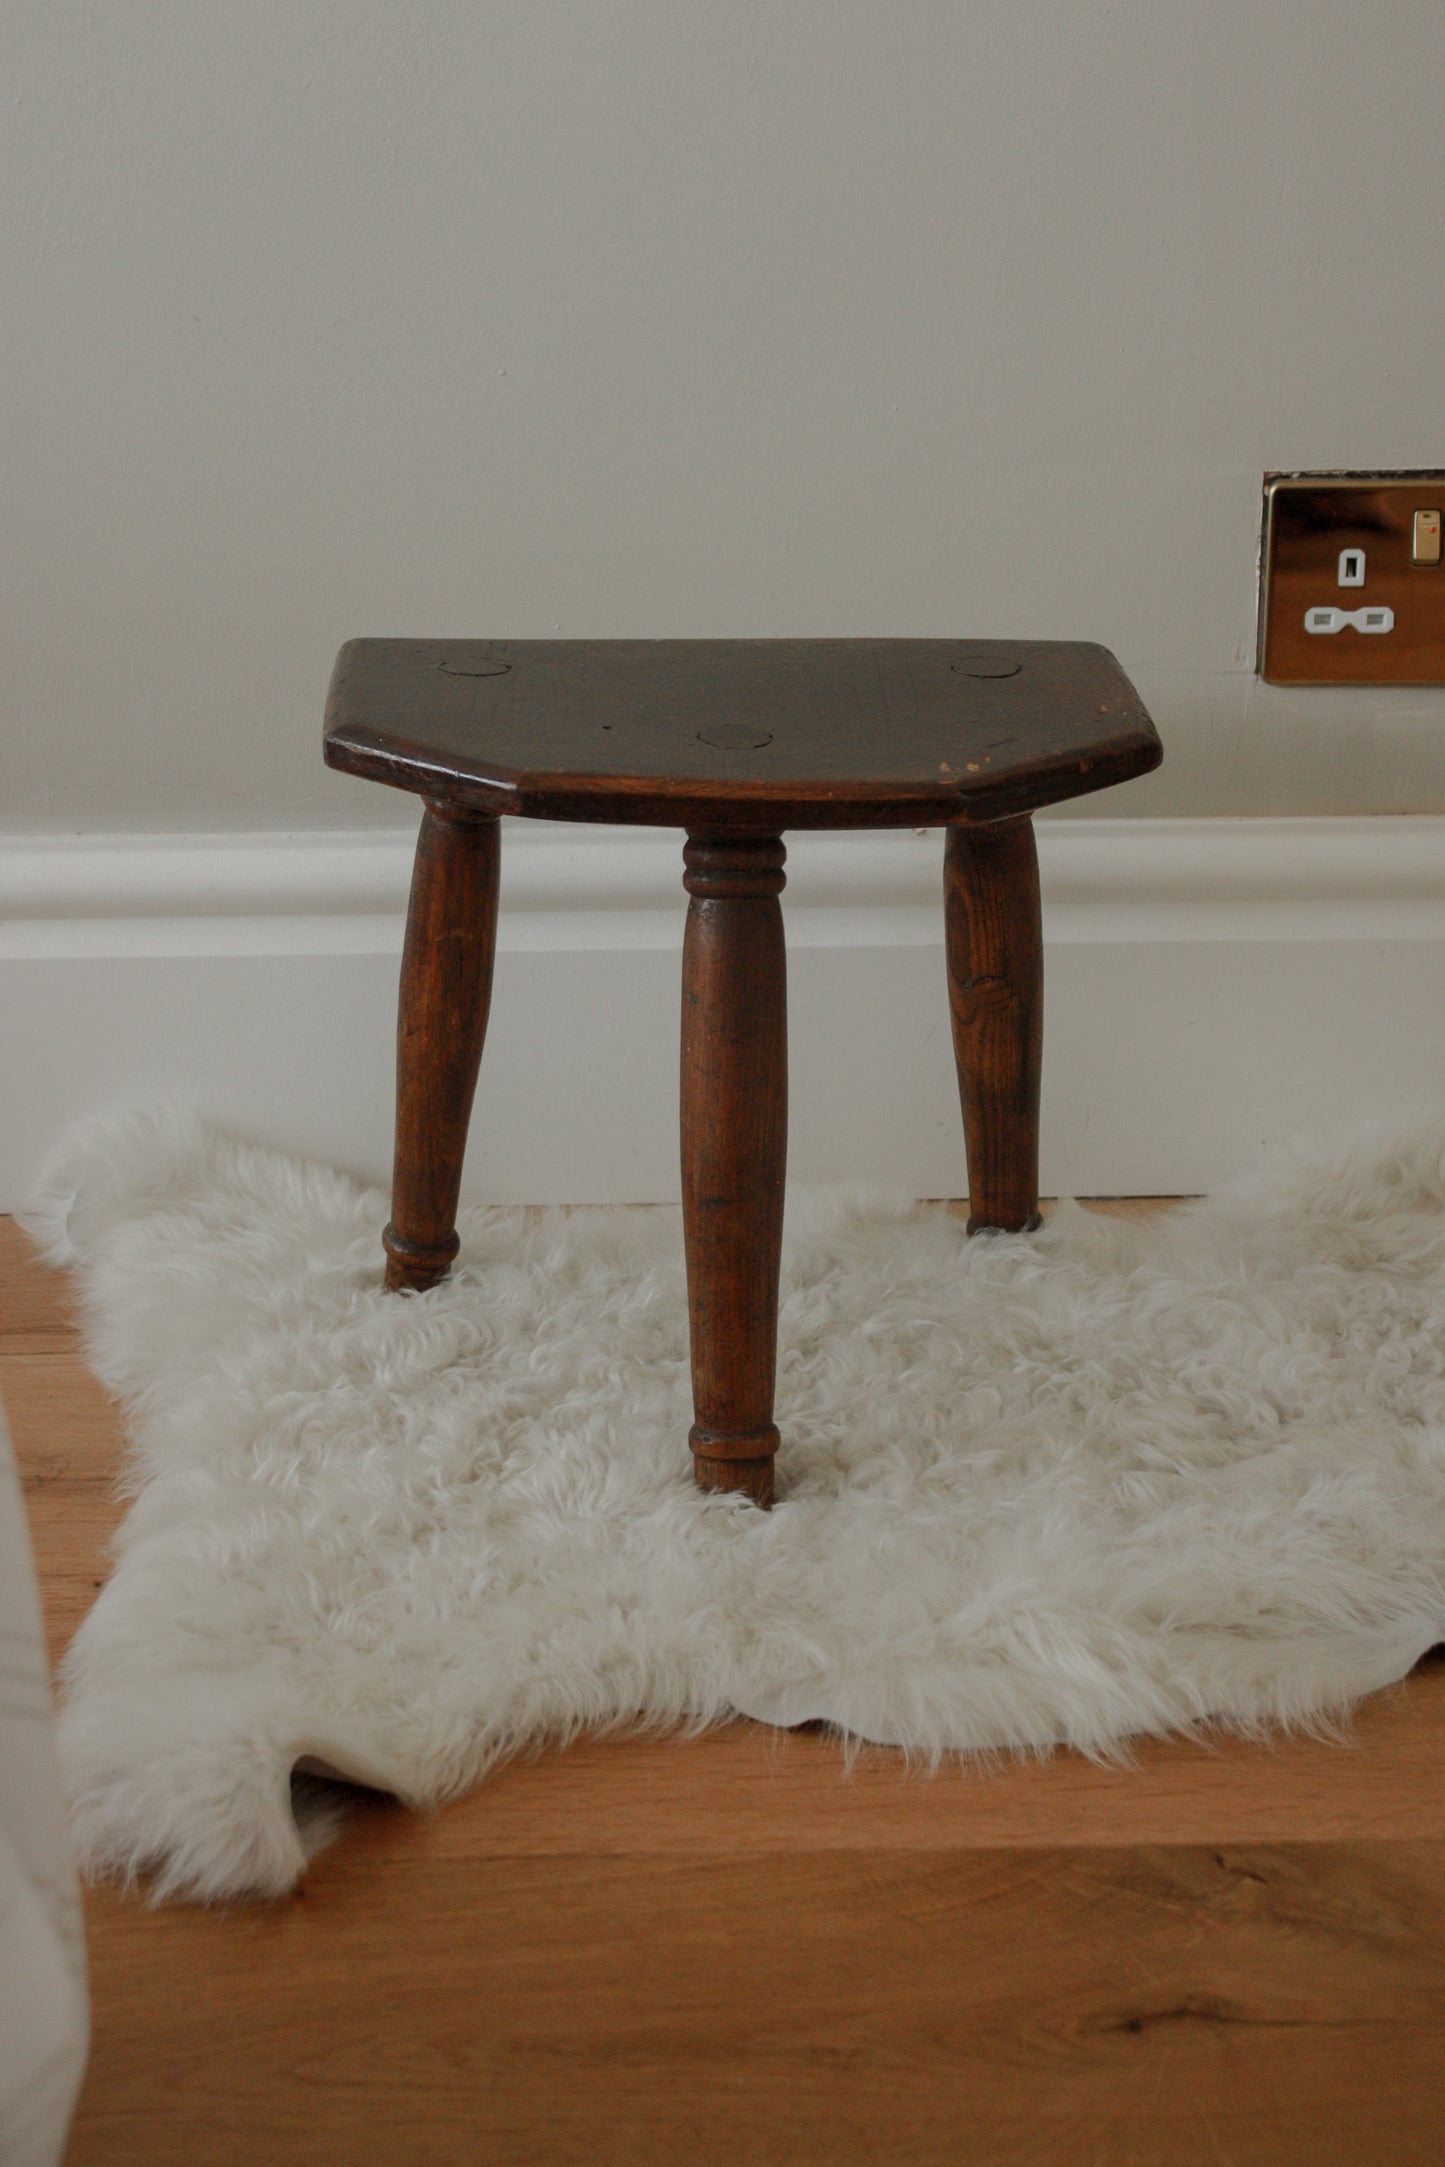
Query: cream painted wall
620	316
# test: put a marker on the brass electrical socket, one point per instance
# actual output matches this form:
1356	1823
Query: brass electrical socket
1320	621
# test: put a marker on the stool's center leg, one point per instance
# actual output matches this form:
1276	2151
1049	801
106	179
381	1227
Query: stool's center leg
734	1150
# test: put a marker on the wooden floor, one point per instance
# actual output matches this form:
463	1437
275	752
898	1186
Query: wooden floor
733	1951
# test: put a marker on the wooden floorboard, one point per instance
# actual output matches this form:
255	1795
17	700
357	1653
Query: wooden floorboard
739	1949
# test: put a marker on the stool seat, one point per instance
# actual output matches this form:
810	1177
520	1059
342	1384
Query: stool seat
765	734
735	741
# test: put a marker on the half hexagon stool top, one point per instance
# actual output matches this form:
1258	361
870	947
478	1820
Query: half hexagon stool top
759	733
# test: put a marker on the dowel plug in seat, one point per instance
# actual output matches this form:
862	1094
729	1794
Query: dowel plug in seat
733	741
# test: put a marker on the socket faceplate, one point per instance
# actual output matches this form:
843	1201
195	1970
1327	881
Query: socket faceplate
1314	524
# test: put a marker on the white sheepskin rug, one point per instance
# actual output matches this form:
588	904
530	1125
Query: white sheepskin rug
1042	1490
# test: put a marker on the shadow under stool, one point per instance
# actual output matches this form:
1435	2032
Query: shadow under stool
734	741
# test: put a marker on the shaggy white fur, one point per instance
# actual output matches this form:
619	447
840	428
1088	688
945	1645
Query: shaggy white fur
1115	1477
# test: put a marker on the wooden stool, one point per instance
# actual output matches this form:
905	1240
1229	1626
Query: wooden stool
733	740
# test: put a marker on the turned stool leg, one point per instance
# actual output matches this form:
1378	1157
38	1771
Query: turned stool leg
996	1001
446	990
734	1149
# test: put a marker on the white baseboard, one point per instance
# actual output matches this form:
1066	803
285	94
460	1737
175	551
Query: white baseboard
1209	985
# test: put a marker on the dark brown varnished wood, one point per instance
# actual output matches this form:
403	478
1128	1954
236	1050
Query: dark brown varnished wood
734	1150
994	945
733	740
715	735
446	990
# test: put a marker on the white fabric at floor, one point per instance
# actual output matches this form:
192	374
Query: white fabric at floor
1034	1491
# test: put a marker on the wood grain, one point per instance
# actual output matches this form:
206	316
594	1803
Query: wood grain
1168	2005
712	734
734	1124
444	998
994	950
738	1948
